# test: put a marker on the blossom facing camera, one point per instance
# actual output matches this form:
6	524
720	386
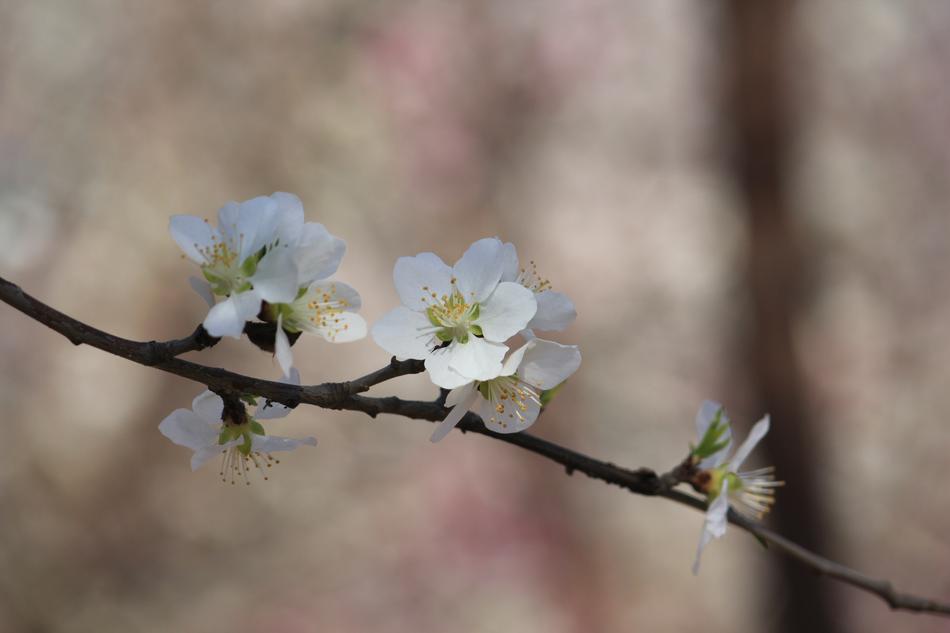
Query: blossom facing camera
457	318
240	440
750	493
511	402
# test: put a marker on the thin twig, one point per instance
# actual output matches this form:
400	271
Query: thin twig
346	395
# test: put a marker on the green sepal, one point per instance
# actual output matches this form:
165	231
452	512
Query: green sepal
229	433
474	312
224	437
301	292
548	394
249	266
249	399
477	330
245	447
243	287
712	441
444	335
257	428
483	389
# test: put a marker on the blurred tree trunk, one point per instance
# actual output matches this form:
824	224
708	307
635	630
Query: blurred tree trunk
758	124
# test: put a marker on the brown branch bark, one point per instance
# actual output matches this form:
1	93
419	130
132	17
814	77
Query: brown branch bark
346	395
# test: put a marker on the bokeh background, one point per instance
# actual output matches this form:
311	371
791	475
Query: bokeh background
747	201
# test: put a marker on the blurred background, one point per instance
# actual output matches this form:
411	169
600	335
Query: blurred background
747	202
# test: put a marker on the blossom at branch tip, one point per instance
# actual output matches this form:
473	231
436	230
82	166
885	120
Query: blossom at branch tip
261	250
555	310
511	401
458	318
242	444
750	493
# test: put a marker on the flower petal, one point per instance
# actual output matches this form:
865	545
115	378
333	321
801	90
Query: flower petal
273	443
478	359
440	373
509	271
290	218
418	278
547	364
704	418
506	416
466	399
185	428
511	364
203	288
755	436
480	268
257	221
193	235
202	455
404	333
555	311
715	523
506	311
282	351
318	253
228	317
276	277
208	406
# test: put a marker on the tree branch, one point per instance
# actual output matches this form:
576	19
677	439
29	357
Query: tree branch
346	395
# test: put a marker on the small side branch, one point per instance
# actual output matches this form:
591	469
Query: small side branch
346	395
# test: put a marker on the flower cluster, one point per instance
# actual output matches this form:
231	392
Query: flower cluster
750	493
459	319
265	261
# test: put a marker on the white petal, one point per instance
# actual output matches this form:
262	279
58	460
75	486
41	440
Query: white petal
185	428
437	364
318	253
205	453
547	364
714	526
755	436
418	278
228	317
555	311
454	416
459	394
403	333
282	351
477	359
480	268
273	443
290	219
704	418
344	327
193	235
506	311
511	419
511	364
208	406
203	288
257	223
276	277
509	271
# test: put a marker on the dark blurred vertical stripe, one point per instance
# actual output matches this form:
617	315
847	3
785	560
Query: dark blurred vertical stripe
758	126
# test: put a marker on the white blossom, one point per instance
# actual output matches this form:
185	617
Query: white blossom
261	250
511	401
242	445
457	318
749	492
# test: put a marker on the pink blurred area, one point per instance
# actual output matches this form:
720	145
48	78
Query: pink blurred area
590	134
